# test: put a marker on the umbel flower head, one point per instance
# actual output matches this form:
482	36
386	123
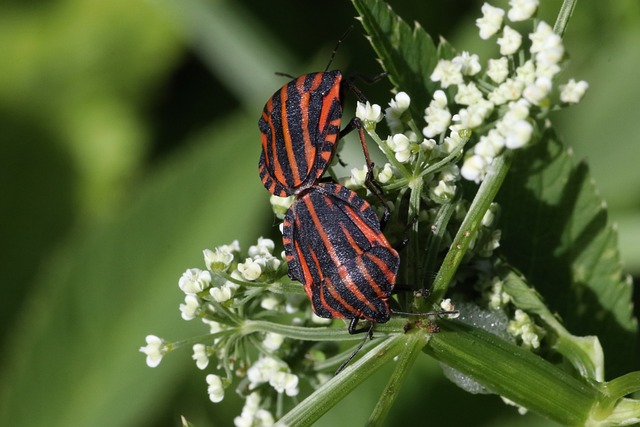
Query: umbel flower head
253	312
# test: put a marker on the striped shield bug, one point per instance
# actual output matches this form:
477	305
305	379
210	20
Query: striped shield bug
335	248
300	127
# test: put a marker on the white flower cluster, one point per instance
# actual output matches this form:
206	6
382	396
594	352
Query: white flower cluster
406	149
522	326
220	297
514	87
277	374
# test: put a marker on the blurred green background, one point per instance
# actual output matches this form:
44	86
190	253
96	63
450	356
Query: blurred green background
128	143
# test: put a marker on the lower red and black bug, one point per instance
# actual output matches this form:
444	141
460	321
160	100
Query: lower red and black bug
336	249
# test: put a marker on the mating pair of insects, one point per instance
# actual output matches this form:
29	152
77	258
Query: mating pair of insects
332	238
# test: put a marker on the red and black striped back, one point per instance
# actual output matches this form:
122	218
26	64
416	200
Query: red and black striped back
300	125
335	248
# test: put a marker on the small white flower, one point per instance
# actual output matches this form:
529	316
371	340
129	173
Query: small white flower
213	325
474	115
264	247
385	174
516	133
285	382
546	45
510	41
396	109
215	389
486	148
450	173
262	371
225	292
497	297
573	91
401	146
498	69
437	115
510	90
447	73
270	303
233	247
272	341
369	114
474	168
469	64
200	356
454	141
442	191
490	215
514	125
491	245
526	73
521	10
250	269
538	92
491	20
154	350
468	94
548	70
358	178
280	205
428	145
447	305
194	280
523	326
252	415
399	104
190	308
217	259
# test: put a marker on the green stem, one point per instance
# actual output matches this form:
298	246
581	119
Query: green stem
584	353
414	343
434	242
563	16
413	252
468	230
334	390
321	333
515	373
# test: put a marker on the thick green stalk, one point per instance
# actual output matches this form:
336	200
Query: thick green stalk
515	373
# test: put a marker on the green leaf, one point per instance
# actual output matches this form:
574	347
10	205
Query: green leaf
556	232
407	54
74	358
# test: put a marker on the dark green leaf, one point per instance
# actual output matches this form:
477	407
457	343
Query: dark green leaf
556	231
407	54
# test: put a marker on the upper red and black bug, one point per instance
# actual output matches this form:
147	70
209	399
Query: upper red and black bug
300	125
336	249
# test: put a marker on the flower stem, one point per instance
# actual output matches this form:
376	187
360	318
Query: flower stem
468	229
334	390
563	16
414	343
